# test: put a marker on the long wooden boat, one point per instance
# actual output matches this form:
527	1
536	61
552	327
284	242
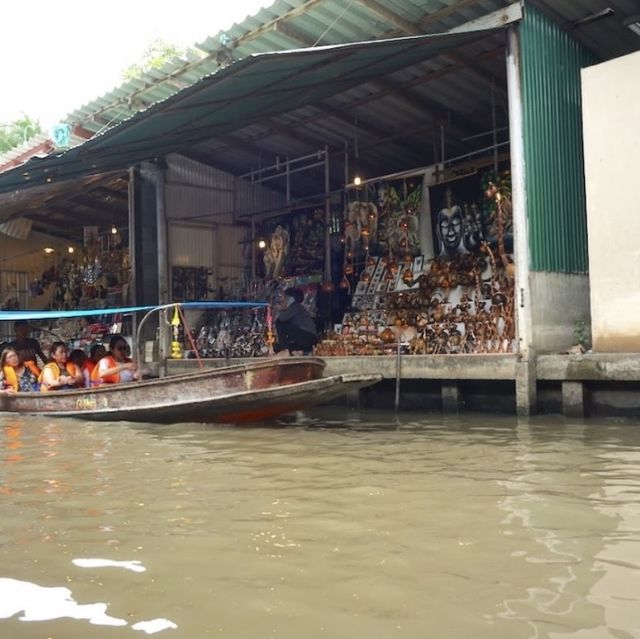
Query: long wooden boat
252	392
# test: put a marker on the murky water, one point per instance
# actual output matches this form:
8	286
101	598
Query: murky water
364	526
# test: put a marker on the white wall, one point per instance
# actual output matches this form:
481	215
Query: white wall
611	119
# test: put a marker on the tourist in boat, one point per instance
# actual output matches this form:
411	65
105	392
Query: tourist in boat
27	347
295	328
96	353
60	373
78	357
115	367
18	375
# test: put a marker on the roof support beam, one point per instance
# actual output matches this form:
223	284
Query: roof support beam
409	28
364	126
392	17
96	205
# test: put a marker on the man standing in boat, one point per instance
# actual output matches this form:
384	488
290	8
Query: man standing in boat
27	348
295	327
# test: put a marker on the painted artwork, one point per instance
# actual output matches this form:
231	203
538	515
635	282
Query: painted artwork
463	216
384	219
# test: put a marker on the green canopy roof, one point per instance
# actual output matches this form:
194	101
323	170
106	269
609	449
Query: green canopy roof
255	88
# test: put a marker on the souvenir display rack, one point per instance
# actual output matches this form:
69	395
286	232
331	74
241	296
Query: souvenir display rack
459	301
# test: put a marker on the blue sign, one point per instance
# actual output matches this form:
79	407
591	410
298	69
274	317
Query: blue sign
61	135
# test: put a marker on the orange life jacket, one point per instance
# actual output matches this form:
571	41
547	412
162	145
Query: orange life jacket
72	370
10	377
96	380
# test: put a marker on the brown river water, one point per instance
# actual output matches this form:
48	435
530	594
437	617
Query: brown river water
341	524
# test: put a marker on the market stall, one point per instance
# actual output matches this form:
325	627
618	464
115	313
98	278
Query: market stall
428	262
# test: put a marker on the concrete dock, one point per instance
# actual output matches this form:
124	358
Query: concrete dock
576	385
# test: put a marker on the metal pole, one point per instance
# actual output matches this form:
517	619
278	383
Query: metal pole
253	247
327	218
519	194
288	179
398	371
163	265
132	254
132	234
346	162
494	126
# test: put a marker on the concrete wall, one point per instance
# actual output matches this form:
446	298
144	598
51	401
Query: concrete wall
559	301
610	99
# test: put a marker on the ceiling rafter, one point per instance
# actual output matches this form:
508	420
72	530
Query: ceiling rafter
391	16
95	204
361	125
409	28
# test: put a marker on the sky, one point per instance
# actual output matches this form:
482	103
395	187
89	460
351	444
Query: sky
57	55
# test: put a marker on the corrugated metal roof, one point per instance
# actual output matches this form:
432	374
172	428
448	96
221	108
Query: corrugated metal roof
253	90
287	24
284	25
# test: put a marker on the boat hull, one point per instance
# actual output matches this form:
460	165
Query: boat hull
234	394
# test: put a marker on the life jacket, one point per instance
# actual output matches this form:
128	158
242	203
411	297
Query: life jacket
10	377
89	365
87	369
72	370
96	380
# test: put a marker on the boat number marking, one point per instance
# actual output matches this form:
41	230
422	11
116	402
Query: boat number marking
86	403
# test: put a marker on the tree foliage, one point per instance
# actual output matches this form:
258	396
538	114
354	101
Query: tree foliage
17	132
157	54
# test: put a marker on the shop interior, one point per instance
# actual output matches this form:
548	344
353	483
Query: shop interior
389	204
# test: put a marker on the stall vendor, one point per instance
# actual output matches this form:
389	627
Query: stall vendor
295	327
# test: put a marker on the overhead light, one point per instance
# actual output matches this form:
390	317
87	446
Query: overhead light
357	180
71	249
114	230
633	23
262	244
48	250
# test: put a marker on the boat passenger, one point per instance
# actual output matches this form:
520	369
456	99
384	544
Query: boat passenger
115	367
96	353
78	357
28	348
17	375
60	374
295	327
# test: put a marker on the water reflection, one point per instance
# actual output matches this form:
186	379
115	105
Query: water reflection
335	525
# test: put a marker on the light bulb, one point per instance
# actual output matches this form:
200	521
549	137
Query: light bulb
71	249
48	250
357	180
262	244
114	230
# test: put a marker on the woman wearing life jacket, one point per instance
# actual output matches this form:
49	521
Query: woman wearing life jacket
60	374
115	367
97	352
17	375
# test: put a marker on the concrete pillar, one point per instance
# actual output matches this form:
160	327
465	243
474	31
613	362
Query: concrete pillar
451	396
573	399
526	392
